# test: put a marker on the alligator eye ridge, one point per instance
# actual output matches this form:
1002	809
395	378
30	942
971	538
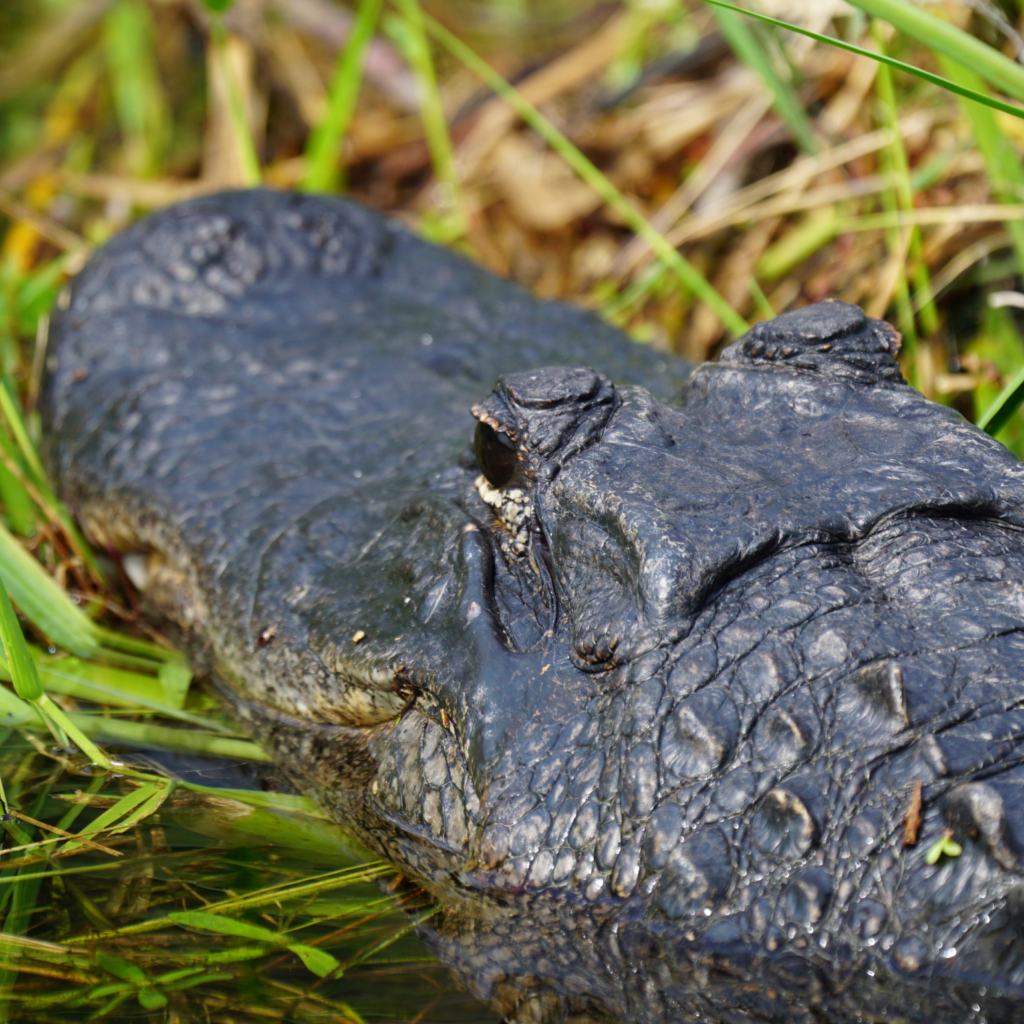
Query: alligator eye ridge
495	455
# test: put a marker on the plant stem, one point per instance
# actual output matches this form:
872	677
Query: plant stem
324	168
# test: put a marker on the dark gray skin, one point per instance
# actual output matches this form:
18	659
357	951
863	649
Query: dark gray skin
650	722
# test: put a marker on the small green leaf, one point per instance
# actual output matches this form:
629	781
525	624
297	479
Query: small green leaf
150	1000
204	978
319	962
225	926
234	956
944	846
121	969
174	976
218	6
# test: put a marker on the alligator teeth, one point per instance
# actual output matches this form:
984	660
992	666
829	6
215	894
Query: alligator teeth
513	512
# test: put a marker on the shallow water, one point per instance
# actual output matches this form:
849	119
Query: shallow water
102	946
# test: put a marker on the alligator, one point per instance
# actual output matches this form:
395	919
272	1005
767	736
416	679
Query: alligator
691	693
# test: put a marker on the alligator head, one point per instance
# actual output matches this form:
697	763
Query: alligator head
669	698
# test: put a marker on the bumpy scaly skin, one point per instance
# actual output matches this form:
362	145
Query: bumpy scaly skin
651	725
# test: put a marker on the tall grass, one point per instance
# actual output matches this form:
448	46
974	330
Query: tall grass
326	142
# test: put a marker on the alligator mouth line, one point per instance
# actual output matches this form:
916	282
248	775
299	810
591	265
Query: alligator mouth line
543	564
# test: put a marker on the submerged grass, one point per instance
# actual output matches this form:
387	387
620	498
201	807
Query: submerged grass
619	157
155	897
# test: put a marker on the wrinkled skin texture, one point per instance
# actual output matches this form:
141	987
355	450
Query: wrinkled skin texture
648	718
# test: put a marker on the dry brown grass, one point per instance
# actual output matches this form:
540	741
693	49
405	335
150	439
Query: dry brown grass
647	91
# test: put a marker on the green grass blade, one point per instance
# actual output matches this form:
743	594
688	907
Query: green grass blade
175	678
910	69
27	683
897	199
690	277
104	684
14	710
998	414
42	601
56	616
224	925
318	961
324	149
371	951
130	42
17	425
121	968
139	649
615	308
411	37
148	806
289	802
764	307
159	737
244	143
903	196
54	510
100	683
1001	160
121	809
749	50
24	896
939	35
17	502
814	231
57	717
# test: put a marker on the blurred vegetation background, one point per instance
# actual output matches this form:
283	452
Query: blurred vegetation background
680	167
776	166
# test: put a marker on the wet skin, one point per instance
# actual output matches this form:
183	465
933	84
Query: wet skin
646	702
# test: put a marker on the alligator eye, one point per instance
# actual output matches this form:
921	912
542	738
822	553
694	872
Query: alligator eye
495	455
